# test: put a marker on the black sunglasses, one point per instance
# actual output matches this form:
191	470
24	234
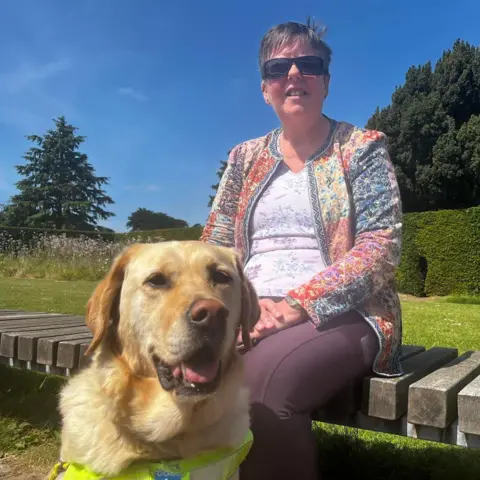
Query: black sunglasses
279	67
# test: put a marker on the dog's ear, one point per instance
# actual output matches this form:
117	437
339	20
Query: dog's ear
250	311
103	305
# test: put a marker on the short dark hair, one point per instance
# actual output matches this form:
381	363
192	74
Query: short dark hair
285	33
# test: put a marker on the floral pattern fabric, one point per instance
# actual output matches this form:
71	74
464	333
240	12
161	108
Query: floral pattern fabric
284	251
357	217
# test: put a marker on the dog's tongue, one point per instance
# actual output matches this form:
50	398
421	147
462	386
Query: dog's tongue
204	372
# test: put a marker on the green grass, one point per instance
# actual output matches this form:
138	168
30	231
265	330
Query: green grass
29	419
464	299
437	323
344	452
45	295
349	453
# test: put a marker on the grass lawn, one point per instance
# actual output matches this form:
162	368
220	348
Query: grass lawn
344	452
45	295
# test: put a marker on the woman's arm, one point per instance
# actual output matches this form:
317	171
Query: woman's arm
372	262
219	228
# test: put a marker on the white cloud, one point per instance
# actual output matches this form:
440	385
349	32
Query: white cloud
28	74
28	94
130	92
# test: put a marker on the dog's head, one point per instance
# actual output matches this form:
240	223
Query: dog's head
174	309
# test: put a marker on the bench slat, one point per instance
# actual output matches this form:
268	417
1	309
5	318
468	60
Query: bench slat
469	408
387	397
6	338
432	401
407	351
83	359
20	316
10	340
36	325
47	348
27	341
39	320
70	352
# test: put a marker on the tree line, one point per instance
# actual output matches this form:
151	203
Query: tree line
432	125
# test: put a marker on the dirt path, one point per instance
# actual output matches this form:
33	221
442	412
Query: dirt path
13	468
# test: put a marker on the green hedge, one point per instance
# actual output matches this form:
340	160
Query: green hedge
409	276
446	244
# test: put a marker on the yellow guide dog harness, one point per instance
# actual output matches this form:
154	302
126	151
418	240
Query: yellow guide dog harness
170	470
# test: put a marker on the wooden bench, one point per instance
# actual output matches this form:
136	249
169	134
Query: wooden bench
45	342
437	399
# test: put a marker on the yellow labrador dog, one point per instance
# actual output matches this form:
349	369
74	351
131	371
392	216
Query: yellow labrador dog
165	380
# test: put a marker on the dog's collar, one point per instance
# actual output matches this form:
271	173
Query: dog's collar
171	470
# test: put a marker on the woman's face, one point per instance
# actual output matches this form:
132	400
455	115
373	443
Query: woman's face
296	95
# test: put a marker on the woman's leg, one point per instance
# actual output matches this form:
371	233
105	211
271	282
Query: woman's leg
290	374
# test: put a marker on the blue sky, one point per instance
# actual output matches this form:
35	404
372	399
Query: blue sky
162	90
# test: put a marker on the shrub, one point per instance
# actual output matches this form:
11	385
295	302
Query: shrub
441	253
410	278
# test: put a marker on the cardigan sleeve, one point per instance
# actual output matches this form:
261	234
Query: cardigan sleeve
220	225
371	263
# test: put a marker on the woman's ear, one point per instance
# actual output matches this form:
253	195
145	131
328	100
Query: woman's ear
265	94
326	80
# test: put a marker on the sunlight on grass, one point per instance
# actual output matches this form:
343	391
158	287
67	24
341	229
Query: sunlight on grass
45	295
352	453
436	323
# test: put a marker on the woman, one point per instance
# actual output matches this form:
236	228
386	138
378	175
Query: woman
314	209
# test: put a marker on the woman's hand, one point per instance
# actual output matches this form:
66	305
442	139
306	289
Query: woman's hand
275	316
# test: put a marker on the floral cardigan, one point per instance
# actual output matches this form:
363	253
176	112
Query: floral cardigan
357	215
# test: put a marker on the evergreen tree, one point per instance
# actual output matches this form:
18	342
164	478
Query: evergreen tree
60	189
220	172
432	129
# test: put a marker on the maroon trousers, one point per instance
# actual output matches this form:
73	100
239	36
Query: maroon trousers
292	373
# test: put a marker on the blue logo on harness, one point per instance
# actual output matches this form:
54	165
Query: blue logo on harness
162	475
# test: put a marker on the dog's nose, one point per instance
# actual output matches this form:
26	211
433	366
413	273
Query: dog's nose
207	313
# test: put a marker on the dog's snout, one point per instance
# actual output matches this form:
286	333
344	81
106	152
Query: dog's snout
208	313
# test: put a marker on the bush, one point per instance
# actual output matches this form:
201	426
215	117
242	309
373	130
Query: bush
410	278
441	253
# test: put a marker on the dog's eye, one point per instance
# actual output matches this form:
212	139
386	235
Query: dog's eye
220	277
158	281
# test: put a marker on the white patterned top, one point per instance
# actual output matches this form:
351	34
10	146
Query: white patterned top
284	249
